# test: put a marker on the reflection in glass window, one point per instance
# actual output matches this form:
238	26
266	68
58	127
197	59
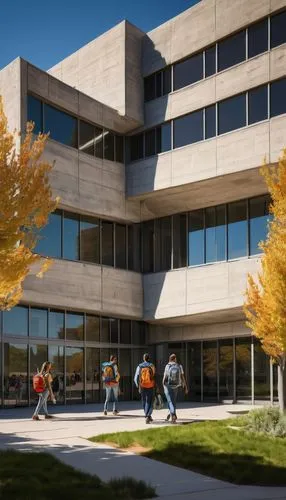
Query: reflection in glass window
50	237
16	321
74	374
107	243
62	127
150	142
188	129
86	138
89	239
125	331
188	71
159	84
71	237
105	331
231	51
194	364
119	148
258	38
120	246
56	357
138	333
38	322
166	80
56	325
226	369
98	142
149	88
196	238
15	374
243	367
163	244
114	330
35	113
215	234
278	30
108	145
93	375
92	327
232	114
38	356
136	147
134	247
210	61
210	121
126	380
163	133
148	246
210	369
259	216
237	229
179	240
74	326
278	97
261	373
258	104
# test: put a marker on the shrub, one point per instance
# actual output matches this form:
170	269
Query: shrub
267	421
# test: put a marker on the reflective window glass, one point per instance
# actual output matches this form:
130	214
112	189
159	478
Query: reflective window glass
107	243
15	374
98	142
126	380
149	88
86	138
188	71
108	145
93	375
71	237
105	331
194	364
56	325
35	113
119	141
210	121
163	244
258	38
259	216
243	368
90	240
278	97
167	80
125	331
226	369
210	353
150	142
16	321
50	237
56	357
148	246
138	333
258	104
278	29
92	327
163	138
232	114
196	238
136	147
179	241
74	375
210	61
215	234
188	129
237	229
159	84
120	246
261	373
74	326
231	51
134	247
38	322
62	127
114	330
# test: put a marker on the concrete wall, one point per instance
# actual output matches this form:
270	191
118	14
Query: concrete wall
87	287
10	90
196	290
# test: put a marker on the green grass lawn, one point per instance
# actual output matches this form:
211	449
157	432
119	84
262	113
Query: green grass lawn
29	476
214	449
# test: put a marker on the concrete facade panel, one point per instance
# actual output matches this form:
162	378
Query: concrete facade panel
10	90
122	293
194	162
277	137
278	62
231	16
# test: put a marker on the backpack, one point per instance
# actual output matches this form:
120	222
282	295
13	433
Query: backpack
174	375
108	373
146	376
38	383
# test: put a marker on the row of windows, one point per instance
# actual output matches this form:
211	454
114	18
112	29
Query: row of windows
89	239
22	321
245	109
207	235
256	39
71	131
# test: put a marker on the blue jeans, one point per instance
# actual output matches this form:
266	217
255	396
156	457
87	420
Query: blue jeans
42	403
147	396
171	394
111	390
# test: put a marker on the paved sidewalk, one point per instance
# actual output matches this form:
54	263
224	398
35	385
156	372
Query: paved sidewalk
65	435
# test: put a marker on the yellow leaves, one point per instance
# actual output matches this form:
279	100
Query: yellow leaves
25	204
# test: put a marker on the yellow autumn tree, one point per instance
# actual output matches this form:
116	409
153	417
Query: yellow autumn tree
265	304
25	204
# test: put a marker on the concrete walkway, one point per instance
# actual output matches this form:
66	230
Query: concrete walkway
65	437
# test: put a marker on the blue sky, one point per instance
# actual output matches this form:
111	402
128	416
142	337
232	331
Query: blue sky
46	32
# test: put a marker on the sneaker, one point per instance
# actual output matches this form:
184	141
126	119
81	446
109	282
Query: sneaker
48	416
148	421
35	417
115	412
151	419
174	419
168	417
105	413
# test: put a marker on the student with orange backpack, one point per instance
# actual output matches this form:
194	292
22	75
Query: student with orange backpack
145	381
110	379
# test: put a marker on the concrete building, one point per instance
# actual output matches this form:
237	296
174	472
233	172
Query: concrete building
158	138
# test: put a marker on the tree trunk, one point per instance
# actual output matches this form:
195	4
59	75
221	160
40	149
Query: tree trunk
282	386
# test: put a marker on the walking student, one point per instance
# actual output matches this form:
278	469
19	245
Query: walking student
42	384
110	379
144	380
173	379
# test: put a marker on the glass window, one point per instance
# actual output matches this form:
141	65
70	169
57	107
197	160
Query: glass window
125	331
210	61
74	375
71	236
86	138
16	321
62	127
226	369
108	145
38	356
159	84
114	331
258	104
259	217
237	229
188	129
163	133
163	244
120	246
215	234
74	326
258	38
210	369
138	333
98	142
15	374
136	147
196	238
134	247
107	243
119	141
56	325
231	51
149	88
126	380
105	330
148	246
56	357
90	240
278	97
243	368
231	114
38	322
261	373
188	71
194	375
150	142
167	80
210	121
179	241
50	237
92	327
35	113
278	30
93	375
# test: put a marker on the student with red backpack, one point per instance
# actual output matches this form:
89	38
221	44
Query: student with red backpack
145	381
110	379
42	385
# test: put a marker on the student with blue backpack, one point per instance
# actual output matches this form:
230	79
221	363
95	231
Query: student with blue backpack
173	379
110	379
